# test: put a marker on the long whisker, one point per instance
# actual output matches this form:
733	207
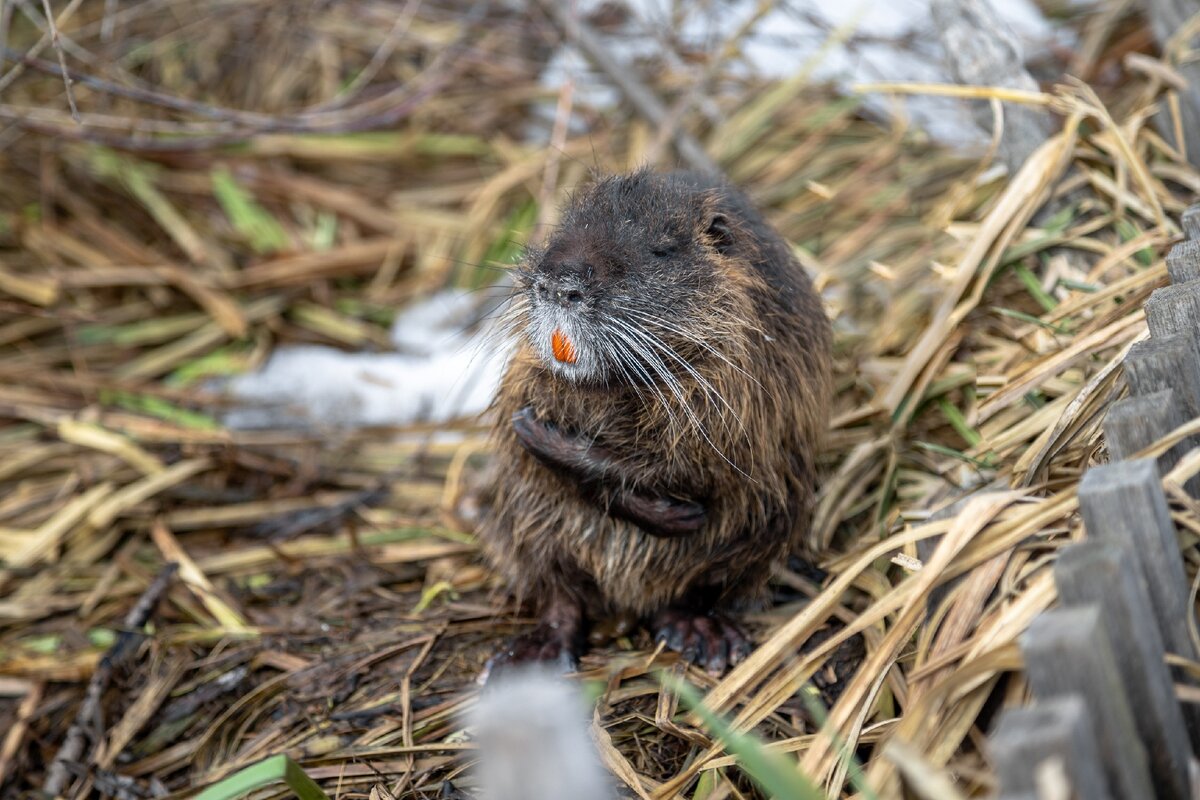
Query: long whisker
709	390
674	385
617	357
651	319
649	361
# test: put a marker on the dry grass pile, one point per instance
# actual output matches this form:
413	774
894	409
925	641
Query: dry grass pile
334	161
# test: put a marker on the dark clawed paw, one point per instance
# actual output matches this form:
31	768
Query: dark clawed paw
543	646
712	641
528	428
545	441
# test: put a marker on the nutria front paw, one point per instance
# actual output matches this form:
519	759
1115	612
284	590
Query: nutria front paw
710	640
602	479
531	431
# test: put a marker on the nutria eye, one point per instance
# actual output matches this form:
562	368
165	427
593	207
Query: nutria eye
662	252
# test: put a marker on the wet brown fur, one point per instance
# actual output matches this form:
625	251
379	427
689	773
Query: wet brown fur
758	308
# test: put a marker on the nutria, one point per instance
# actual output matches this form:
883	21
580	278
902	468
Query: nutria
658	424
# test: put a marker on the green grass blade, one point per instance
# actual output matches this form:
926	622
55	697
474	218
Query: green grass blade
772	771
987	462
1128	231
276	769
249	218
160	408
1062	330
811	697
958	422
1034	287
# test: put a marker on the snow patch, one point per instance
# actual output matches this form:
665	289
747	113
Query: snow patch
443	371
843	43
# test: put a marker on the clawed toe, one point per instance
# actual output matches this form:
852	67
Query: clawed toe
712	640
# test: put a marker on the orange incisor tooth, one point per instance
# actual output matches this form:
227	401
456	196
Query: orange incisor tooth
563	349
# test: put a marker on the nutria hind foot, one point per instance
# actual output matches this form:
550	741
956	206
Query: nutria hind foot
556	641
542	645
706	638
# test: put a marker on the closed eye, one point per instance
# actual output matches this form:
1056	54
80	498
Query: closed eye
663	251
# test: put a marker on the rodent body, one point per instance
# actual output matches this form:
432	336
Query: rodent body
670	462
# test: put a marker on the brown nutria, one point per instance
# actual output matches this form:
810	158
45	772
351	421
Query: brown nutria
659	420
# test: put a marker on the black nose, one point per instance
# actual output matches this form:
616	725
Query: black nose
568	297
566	292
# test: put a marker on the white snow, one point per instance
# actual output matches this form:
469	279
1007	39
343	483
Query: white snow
842	42
441	371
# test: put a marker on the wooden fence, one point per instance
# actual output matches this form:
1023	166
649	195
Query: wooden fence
1106	720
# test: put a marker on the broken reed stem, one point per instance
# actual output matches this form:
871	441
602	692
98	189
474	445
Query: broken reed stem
1000	93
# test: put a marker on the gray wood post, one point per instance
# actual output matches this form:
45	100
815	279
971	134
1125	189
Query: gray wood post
1183	262
1104	574
1174	309
1190	220
1123	503
1137	422
1061	728
1167	362
1067	652
1166	19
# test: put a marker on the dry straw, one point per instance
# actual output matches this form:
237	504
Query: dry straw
327	605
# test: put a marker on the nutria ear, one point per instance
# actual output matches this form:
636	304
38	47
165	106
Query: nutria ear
720	233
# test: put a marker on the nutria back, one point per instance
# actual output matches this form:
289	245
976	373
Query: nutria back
659	421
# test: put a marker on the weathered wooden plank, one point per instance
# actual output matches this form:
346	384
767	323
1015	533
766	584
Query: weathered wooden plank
1190	220
1106	575
1067	652
1183	262
1058	728
1123	503
1174	309
1137	422
1167	362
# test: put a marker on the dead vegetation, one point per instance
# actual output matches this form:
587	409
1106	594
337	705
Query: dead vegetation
333	161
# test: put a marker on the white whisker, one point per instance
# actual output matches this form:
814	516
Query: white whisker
639	345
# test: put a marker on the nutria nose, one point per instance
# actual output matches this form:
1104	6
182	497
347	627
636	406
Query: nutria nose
565	292
568	297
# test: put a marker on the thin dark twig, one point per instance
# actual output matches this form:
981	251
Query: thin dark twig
62	59
176	103
288	526
72	747
164	145
7	78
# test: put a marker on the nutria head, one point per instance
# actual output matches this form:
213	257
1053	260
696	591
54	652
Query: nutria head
624	289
